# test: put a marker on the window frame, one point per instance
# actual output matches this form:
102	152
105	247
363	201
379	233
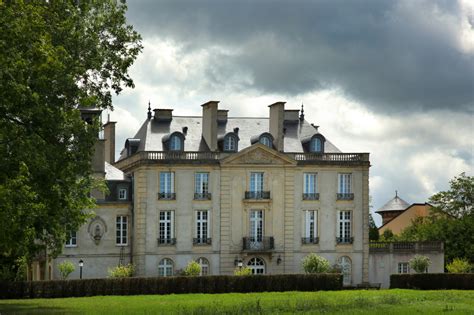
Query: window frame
344	183
256	183
163	267
264	138
257	264
167	182
72	240
124	196
204	263
201	186
176	143
310	226
121	230
166	227
316	145
230	143
344	226
403	267
202	225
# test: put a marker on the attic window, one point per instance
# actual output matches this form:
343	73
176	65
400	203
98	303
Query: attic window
266	140
316	145
176	143
230	143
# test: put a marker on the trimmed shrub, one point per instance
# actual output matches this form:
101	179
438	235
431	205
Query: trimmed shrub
193	269
433	281
315	264
420	263
169	285
459	265
65	269
242	271
122	271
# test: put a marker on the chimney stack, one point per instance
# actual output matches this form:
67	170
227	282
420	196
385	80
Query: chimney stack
109	137
209	124
277	117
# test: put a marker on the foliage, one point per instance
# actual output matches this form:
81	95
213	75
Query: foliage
242	271
55	57
458	200
388	236
420	263
373	230
65	269
459	265
192	269
122	271
315	264
433	281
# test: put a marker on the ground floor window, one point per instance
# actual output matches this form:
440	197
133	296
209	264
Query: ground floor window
346	266
257	265
165	267
204	263
403	267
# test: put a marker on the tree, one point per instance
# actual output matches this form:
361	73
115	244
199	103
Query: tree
459	266
420	263
65	269
192	269
373	230
315	264
55	57
456	202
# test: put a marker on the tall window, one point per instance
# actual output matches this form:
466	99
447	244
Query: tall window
201	186
316	145
346	266
256	226
121	230
403	267
202	227
165	267
256	182
310	227
122	195
204	263
166	230
310	187
72	241
230	143
344	222
266	140
166	185
345	187
257	265
176	143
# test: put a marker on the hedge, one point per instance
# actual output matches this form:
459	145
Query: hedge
433	281
169	285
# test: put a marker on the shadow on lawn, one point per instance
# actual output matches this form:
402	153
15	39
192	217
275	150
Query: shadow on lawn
32	309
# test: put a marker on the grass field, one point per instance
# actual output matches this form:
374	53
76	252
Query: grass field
336	302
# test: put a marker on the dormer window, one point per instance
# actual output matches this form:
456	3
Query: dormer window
266	140
316	145
230	143
175	143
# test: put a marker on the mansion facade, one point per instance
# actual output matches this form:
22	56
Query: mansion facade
226	192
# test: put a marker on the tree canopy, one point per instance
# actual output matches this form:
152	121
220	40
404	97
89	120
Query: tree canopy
55	57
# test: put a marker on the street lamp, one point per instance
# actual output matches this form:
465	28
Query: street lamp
81	264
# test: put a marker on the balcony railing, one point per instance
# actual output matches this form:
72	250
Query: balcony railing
427	246
344	240
164	157
311	196
202	196
202	241
310	240
166	196
258	244
257	195
345	196
166	241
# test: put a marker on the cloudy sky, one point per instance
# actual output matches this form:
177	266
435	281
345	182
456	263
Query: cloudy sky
393	78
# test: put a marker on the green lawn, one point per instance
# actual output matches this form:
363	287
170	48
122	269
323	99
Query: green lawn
336	302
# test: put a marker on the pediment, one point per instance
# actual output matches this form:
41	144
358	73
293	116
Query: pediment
258	154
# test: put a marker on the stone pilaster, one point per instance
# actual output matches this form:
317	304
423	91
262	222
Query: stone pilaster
365	227
289	222
139	223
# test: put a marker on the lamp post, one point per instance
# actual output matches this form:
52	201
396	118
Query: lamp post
81	264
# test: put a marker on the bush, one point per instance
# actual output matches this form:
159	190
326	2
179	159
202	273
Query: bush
420	263
122	271
242	271
459	265
192	269
315	264
65	269
433	281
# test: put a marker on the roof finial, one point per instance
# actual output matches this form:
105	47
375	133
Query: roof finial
302	112
396	193
149	110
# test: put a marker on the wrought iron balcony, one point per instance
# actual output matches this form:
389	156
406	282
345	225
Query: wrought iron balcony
259	244
345	196
166	196
202	241
202	196
344	240
310	240
311	196
257	195
166	241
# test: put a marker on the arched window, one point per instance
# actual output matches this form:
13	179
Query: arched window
316	145
165	267
257	265
266	140
204	263
230	143
346	266
176	143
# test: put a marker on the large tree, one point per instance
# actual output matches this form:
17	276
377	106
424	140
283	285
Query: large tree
55	57
452	220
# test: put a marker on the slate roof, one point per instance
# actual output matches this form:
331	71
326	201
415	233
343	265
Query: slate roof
152	132
395	204
113	173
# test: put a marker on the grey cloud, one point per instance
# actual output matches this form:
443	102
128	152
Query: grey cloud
393	56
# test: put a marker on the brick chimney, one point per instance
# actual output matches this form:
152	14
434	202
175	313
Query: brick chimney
109	137
277	117
209	124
